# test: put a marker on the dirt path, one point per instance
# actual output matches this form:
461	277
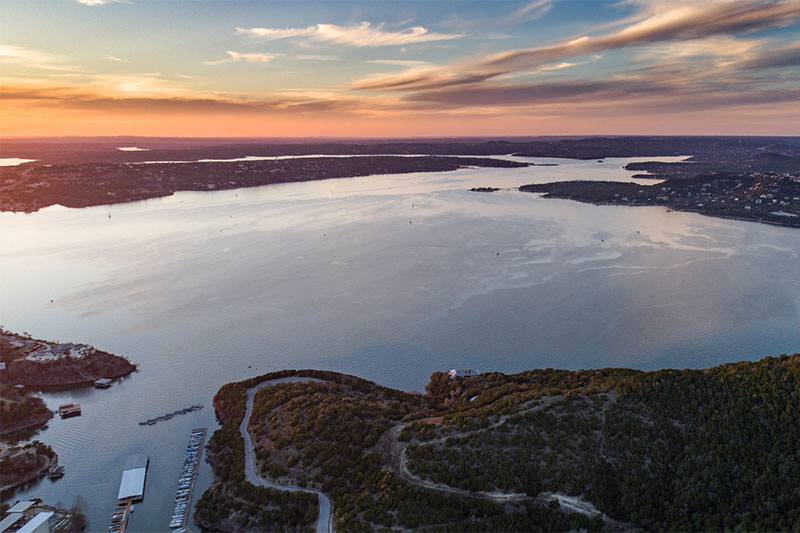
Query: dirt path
399	460
324	522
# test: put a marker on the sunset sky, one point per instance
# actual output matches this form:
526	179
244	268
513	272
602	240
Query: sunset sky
398	68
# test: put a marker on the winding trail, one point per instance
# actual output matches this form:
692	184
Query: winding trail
399	459
324	522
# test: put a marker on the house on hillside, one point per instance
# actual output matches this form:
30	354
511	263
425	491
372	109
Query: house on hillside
465	373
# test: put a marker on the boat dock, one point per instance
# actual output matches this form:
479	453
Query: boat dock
70	409
131	487
183	496
119	520
102	383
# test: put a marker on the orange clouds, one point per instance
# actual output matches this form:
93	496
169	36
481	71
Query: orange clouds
669	59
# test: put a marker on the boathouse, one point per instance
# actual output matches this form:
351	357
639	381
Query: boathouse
131	488
102	383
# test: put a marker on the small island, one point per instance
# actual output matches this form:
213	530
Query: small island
542	450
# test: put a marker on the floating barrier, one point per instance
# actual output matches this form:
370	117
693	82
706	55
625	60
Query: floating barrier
153	421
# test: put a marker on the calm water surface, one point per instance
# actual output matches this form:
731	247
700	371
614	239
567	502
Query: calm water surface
387	277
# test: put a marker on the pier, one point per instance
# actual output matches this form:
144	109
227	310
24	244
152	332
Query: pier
183	496
119	519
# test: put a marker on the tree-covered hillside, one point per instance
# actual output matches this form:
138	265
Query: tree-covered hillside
691	450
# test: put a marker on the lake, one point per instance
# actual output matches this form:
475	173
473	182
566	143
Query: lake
386	277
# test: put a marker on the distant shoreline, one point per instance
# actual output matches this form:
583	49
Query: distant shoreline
740	197
32	187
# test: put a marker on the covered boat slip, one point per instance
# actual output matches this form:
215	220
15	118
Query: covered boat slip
133	478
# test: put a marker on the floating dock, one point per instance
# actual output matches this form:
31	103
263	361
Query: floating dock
152	421
69	409
131	488
183	496
119	519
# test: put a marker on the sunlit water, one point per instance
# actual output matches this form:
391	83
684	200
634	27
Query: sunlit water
386	277
13	161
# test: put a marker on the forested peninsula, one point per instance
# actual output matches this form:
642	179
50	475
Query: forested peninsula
28	188
553	450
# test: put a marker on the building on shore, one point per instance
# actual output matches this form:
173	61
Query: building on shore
464	373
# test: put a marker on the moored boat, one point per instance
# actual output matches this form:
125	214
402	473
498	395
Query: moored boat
55	472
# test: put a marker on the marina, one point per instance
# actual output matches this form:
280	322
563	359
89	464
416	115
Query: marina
188	476
168	416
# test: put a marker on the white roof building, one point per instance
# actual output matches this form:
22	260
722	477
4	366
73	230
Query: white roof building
133	477
466	373
21	507
9	521
38	524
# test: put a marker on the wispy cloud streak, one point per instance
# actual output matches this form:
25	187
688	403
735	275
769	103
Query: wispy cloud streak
94	3
32	58
359	35
251	57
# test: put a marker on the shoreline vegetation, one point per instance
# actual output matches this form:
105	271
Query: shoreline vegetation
22	464
545	449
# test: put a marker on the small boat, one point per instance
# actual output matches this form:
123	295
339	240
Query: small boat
55	472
